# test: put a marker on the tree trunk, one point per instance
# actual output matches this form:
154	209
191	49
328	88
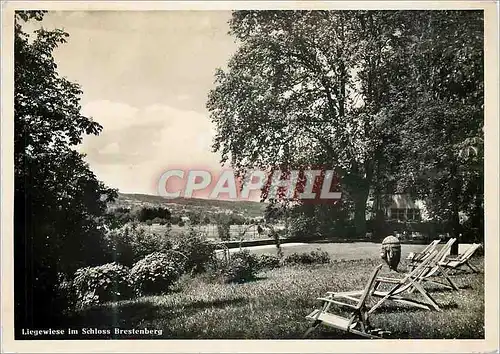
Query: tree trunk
360	219
360	197
379	222
455	217
456	232
380	225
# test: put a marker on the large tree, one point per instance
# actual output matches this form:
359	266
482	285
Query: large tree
59	203
310	87
390	99
442	102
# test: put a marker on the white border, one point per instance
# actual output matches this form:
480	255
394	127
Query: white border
258	346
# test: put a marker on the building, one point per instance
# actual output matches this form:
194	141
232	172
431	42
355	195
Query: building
403	208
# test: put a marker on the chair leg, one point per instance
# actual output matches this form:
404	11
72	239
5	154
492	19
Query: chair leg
316	323
412	289
380	302
312	328
474	269
364	318
411	302
439	283
444	273
365	334
426	295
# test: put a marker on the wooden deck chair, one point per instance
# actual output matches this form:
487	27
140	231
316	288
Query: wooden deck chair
441	254
433	269
410	282
415	257
357	323
456	263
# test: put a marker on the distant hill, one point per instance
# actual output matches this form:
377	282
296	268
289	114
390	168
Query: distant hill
178	205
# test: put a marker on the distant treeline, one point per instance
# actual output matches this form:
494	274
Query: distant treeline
161	215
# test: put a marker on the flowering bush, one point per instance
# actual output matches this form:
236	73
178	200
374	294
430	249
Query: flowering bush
199	252
155	273
95	285
241	267
133	242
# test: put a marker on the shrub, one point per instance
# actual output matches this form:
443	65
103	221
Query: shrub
241	267
303	227
157	220
146	213
198	250
268	261
95	285
132	243
155	273
314	257
224	231
174	219
65	291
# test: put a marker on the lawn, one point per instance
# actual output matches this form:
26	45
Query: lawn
274	306
341	251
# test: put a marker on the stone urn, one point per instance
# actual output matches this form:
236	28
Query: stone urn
391	252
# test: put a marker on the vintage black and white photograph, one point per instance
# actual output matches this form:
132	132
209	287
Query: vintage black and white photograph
249	174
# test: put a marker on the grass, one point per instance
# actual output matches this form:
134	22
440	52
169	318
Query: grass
274	307
342	251
210	230
338	251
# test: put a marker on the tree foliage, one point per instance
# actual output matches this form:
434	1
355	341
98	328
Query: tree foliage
310	87
442	135
59	203
374	94
147	213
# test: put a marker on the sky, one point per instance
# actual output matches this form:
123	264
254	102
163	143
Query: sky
145	77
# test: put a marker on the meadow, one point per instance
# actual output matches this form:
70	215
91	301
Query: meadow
237	232
250	209
273	306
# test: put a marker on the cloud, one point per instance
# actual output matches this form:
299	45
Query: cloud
111	115
183	97
138	144
113	148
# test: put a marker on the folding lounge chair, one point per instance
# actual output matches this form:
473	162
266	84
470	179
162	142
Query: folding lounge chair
357	323
442	253
420	256
433	269
445	264
456	263
399	287
407	284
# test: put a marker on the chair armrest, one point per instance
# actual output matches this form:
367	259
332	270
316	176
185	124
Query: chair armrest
388	280
338	302
447	262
